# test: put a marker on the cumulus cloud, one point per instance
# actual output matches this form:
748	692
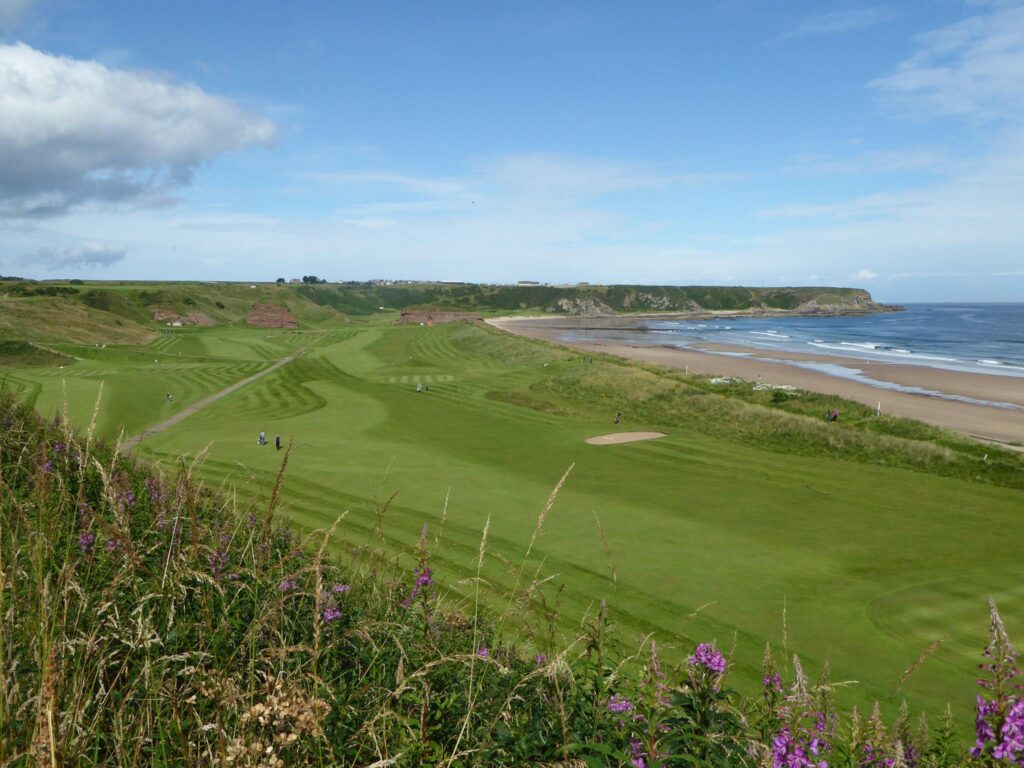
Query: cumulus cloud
73	132
866	274
84	255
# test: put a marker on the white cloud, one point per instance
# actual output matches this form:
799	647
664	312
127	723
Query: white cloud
74	131
844	21
874	161
55	258
866	274
973	68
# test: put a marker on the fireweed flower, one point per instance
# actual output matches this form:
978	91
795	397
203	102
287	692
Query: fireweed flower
999	722
340	589
619	704
708	658
636	759
217	560
423	581
331	614
86	541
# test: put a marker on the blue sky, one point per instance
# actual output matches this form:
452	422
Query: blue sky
734	142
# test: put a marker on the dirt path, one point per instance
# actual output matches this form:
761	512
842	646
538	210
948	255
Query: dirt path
53	351
132	442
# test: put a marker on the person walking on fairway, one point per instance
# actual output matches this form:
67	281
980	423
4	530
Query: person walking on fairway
277	442
262	439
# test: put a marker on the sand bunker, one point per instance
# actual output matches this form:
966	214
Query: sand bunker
624	437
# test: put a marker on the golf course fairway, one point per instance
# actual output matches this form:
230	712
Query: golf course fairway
699	538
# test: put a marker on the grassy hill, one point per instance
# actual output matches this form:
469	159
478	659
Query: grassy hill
127	313
750	523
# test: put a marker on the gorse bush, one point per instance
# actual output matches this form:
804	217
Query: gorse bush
145	620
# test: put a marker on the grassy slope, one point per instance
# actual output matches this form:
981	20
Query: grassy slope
873	563
123	312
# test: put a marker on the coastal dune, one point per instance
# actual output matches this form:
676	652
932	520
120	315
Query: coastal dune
987	422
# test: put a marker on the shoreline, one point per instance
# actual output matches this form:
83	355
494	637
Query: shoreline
948	407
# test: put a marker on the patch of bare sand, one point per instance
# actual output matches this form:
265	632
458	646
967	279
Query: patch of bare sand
624	437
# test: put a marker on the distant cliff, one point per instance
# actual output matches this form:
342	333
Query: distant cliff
589	300
118	312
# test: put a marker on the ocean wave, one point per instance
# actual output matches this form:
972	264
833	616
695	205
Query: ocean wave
1000	364
880	350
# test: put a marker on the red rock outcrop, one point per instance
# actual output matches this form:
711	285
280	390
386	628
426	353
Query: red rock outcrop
269	316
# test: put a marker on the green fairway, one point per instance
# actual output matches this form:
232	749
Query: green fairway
862	565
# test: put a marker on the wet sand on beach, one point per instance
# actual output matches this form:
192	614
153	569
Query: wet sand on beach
777	367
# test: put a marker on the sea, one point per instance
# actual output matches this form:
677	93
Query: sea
975	338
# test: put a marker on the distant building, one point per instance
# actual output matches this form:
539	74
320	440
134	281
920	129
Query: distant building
527	282
295	280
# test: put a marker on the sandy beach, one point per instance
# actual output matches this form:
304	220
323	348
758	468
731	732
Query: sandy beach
987	422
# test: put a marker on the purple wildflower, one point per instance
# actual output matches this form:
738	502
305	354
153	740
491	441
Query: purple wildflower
619	704
423	580
637	759
113	545
59	448
540	659
217	560
656	678
153	487
86	541
288	585
340	589
772	682
482	652
331	614
48	467
708	658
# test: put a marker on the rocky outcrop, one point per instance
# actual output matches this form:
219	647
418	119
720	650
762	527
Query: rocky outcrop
587	306
165	315
198	318
270	316
640	300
